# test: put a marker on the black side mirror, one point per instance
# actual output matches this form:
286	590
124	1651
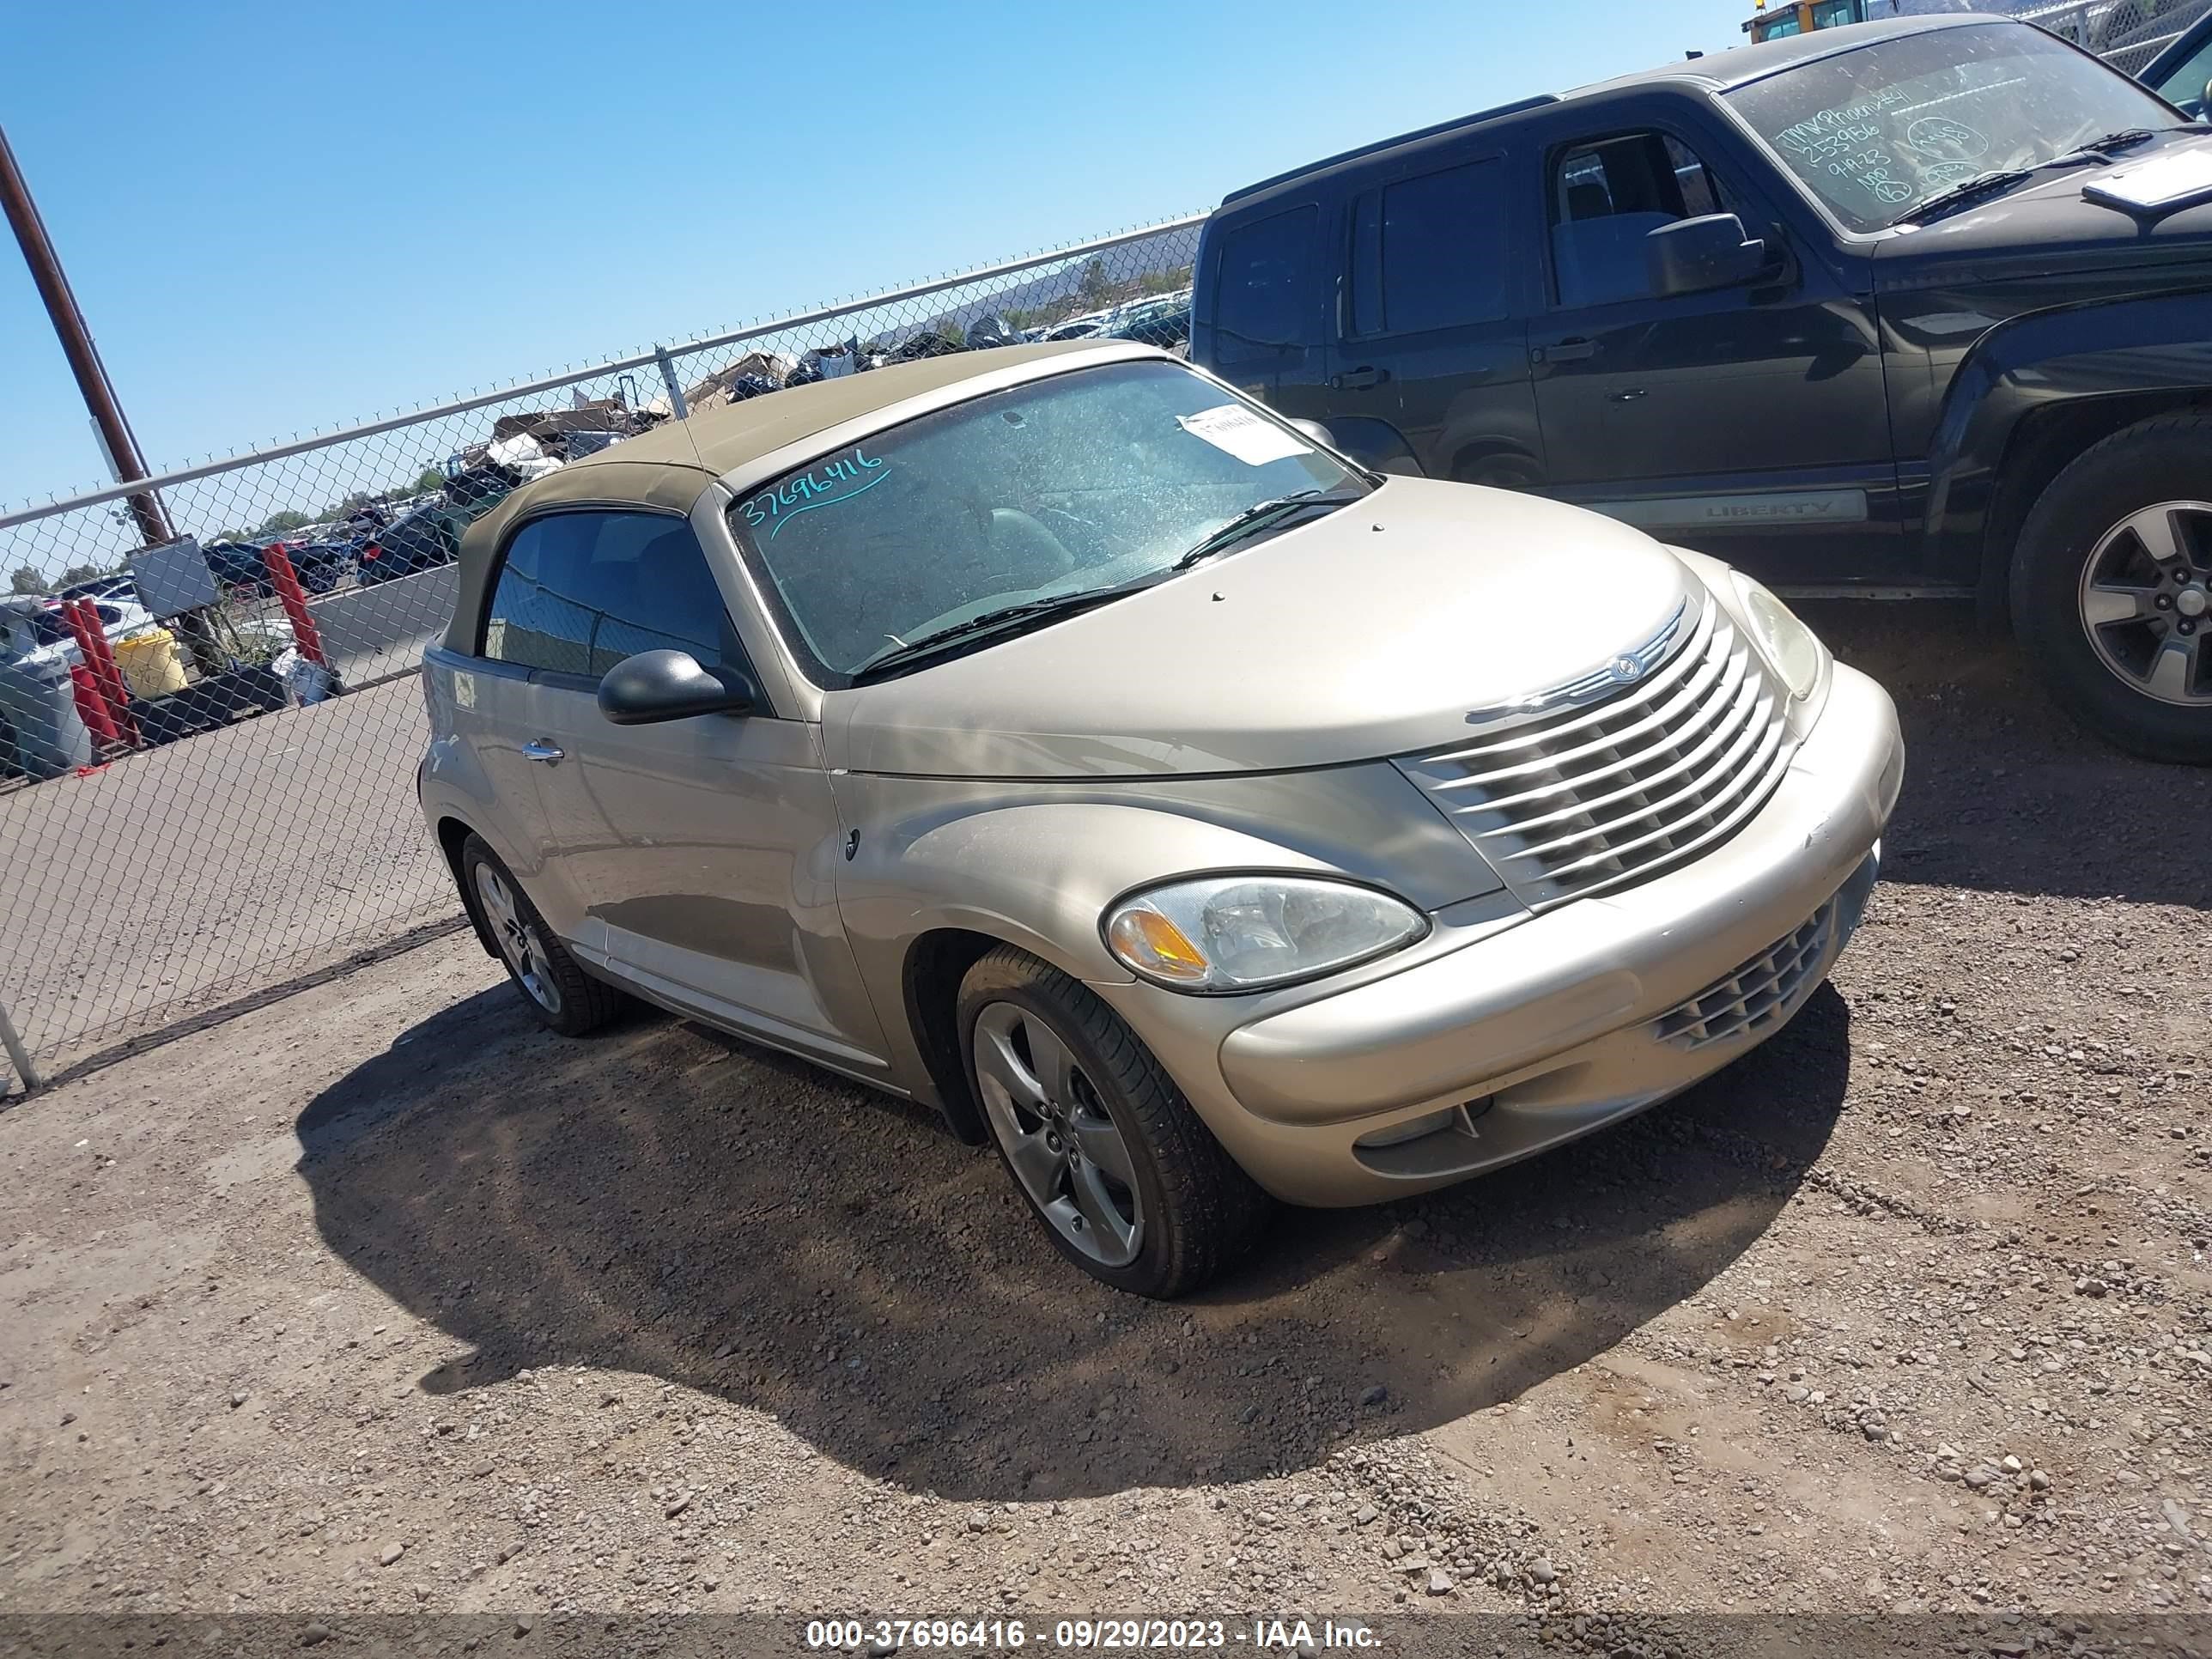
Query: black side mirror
1692	256
670	685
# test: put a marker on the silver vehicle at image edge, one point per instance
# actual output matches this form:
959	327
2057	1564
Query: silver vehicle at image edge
1053	737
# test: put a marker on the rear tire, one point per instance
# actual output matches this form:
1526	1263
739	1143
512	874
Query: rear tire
1061	1077
555	988
2100	607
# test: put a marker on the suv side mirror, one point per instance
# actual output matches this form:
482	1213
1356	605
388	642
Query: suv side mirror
1692	256
654	686
1320	433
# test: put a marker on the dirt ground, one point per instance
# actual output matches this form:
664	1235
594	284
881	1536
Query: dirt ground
378	1299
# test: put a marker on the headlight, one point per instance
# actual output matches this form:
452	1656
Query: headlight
1217	933
1790	647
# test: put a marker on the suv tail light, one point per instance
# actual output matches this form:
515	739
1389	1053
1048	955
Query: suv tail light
371	550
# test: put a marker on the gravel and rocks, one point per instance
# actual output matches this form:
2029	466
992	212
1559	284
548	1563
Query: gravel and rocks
377	1300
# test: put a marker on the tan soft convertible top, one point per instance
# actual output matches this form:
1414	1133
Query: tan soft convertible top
667	467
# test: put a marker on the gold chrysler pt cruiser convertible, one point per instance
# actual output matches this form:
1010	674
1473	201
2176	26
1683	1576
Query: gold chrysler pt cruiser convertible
1054	736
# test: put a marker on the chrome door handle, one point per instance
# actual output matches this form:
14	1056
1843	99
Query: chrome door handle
543	749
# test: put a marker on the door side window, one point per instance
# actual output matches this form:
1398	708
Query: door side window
2185	85
578	591
1607	197
1430	252
1264	293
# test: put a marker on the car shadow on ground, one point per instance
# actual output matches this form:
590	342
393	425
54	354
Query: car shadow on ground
2003	792
670	1202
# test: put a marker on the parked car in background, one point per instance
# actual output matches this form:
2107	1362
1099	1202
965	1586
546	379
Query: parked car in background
1077	328
430	535
120	586
1204	817
415	542
1164	322
243	566
1887	307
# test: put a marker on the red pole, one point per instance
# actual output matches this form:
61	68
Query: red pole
92	639
295	599
92	708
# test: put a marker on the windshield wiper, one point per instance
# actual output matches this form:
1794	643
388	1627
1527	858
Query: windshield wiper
1052	604
2125	138
1966	190
1258	516
1985	184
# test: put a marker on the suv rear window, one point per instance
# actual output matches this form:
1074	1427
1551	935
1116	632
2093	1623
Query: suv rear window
1263	292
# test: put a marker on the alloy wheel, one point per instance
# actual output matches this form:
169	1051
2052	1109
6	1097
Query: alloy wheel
519	940
1058	1135
2146	601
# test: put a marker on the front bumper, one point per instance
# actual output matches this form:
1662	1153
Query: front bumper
1558	1024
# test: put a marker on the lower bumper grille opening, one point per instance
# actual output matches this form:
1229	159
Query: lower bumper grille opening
1434	1140
1759	994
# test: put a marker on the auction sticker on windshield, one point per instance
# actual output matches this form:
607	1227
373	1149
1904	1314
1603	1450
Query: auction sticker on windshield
1235	430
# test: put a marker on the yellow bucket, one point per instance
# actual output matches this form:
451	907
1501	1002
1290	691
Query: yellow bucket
149	663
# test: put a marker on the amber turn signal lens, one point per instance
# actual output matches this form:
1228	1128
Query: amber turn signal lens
1146	936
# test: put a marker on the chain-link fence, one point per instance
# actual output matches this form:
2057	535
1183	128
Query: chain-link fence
2126	34
206	750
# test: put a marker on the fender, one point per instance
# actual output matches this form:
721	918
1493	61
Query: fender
2104	349
450	786
450	783
935	853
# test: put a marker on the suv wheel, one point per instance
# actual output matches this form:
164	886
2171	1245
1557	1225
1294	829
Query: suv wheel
1129	1184
2111	592
560	993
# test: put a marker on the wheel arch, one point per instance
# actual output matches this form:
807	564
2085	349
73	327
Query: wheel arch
1470	458
936	962
2042	444
2030	395
452	833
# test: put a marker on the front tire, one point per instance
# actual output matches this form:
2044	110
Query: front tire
563	996
2112	589
1125	1179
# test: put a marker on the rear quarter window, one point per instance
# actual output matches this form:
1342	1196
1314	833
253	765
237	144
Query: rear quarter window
1264	287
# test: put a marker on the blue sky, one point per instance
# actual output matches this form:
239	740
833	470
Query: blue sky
280	216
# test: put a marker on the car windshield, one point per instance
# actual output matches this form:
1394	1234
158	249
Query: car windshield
1878	130
1094	479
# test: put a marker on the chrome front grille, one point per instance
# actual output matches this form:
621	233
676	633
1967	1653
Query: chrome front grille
1759	994
1570	801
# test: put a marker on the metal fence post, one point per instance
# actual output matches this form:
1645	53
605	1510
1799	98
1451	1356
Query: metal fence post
675	386
18	1055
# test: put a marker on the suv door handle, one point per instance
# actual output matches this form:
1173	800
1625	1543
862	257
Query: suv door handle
543	749
1357	380
1571	350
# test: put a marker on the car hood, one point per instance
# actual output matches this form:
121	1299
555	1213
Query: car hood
1377	630
2045	233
